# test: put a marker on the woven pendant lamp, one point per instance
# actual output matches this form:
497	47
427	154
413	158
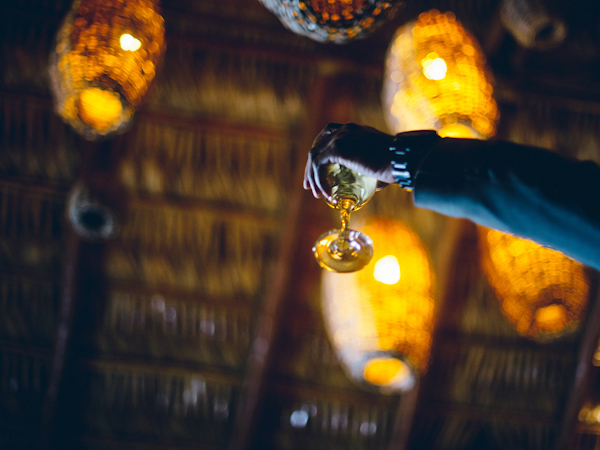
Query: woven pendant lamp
380	319
436	78
104	63
542	293
337	21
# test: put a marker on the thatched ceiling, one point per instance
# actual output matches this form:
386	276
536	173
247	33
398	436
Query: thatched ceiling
199	325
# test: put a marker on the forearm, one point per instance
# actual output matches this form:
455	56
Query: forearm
525	191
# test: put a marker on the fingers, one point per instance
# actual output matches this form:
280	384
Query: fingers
317	188
310	173
307	172
311	170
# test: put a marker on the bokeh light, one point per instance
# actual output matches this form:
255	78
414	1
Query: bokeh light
381	331
437	78
543	293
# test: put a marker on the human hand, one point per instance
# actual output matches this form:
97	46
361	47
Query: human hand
360	148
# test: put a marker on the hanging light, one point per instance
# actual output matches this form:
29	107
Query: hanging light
532	25
336	21
105	60
380	319
91	218
542	292
436	78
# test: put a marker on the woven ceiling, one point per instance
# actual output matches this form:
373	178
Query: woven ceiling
198	326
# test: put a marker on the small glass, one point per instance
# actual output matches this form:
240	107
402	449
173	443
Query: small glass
345	250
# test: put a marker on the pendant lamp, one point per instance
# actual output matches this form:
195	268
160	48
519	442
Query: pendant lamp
532	25
105	60
436	78
542	293
337	21
380	319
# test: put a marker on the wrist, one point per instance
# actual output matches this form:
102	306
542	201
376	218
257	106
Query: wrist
408	150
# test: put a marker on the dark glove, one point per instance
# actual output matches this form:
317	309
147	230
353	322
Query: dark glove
360	148
387	158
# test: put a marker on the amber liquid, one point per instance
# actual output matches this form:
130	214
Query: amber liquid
345	250
347	189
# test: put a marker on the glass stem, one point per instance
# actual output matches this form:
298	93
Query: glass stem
345	217
345	205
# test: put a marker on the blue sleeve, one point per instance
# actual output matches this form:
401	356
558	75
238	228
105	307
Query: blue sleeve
525	191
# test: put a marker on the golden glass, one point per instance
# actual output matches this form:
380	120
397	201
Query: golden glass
345	250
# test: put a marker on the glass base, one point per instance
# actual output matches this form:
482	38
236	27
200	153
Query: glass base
346	251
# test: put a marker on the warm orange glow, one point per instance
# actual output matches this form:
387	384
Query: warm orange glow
387	270
129	43
106	51
386	371
368	319
551	316
590	414
542	292
457	130
99	108
436	78
336	11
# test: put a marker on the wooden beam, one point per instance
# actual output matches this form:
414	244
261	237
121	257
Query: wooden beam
333	394
488	415
271	317
580	380
222	210
162	367
63	339
451	290
80	270
404	419
240	303
144	443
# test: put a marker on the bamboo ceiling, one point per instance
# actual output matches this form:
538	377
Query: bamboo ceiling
198	326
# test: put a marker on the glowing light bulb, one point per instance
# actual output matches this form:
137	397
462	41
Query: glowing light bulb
434	67
99	107
387	270
129	43
387	371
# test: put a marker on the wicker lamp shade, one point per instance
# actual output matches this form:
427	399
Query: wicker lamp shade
532	25
380	319
436	78
337	21
543	293
105	60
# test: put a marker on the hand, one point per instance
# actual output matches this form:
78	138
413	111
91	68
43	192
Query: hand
360	148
